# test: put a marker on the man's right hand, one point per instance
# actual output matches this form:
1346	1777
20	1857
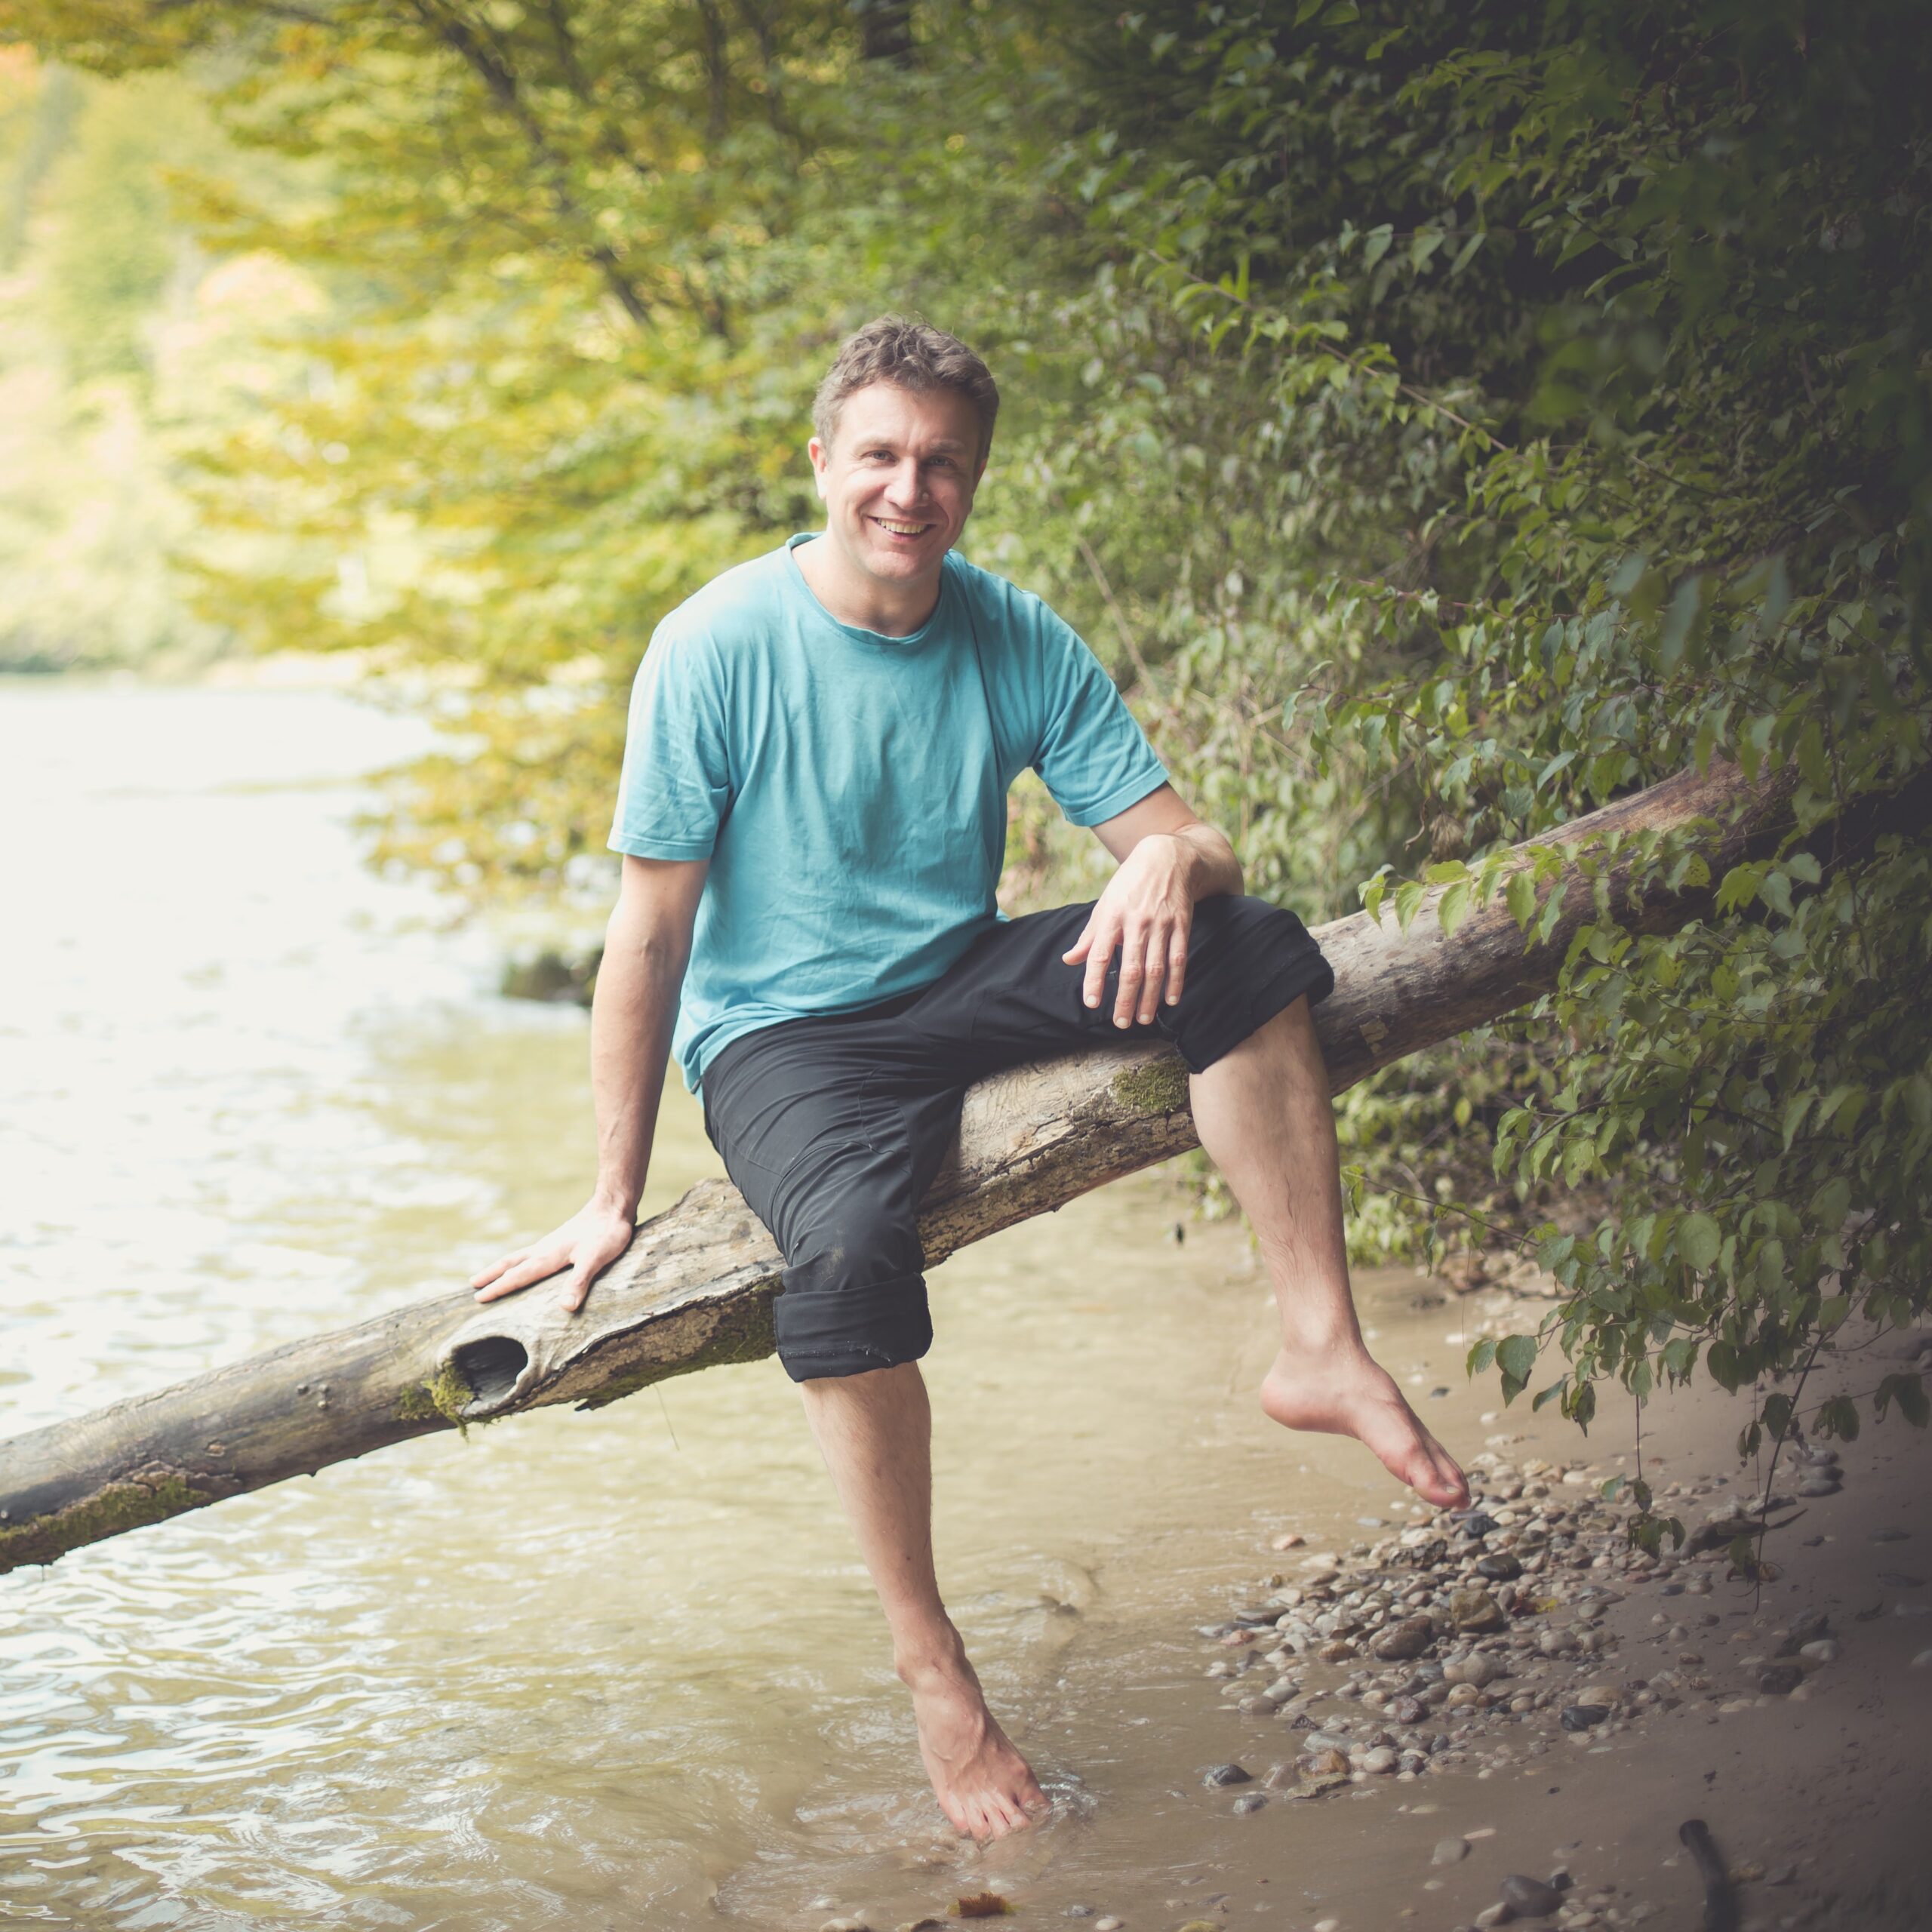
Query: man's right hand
584	1246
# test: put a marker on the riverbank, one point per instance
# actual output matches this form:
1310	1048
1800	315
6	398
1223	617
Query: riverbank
1507	1715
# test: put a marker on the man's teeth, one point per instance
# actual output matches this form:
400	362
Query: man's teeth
900	529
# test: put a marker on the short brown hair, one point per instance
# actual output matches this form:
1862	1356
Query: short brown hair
890	348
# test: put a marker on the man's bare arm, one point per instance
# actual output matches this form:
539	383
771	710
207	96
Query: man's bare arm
1168	860
646	947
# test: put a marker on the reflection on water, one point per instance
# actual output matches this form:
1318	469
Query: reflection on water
583	1671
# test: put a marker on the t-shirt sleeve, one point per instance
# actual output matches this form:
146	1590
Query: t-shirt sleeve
676	786
1092	755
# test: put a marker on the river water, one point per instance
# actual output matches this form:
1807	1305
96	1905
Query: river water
584	1671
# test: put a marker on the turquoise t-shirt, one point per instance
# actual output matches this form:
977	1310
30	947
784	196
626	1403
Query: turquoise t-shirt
850	789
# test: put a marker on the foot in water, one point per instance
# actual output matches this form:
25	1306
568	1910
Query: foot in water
1352	1394
984	1786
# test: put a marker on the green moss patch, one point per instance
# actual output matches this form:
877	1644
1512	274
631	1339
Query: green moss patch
444	1395
127	1505
1160	1087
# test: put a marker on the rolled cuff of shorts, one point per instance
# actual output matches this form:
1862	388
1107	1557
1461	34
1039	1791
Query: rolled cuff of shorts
850	1330
1305	971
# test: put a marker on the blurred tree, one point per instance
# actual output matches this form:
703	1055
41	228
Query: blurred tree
103	321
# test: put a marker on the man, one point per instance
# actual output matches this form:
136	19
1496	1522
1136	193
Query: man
813	819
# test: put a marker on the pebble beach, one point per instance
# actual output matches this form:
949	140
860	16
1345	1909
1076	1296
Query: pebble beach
1509	1713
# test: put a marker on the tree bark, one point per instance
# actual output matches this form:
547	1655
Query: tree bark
697	1285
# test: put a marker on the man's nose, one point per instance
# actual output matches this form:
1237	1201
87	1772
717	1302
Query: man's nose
908	483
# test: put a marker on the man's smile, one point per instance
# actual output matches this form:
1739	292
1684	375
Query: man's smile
898	529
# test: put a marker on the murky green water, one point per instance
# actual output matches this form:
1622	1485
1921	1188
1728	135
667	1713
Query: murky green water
583	1671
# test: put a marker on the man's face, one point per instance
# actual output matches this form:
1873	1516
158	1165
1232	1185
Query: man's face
898	479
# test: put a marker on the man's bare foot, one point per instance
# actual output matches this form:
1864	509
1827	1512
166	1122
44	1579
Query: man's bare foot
984	1786
1351	1395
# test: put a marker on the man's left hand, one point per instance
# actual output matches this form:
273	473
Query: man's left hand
1146	914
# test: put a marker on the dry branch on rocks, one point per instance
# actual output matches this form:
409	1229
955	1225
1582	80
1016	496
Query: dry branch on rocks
696	1287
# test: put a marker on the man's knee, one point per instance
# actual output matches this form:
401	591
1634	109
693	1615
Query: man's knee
1248	961
854	1298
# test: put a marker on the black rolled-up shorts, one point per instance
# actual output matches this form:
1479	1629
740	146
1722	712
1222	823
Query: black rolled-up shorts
833	1127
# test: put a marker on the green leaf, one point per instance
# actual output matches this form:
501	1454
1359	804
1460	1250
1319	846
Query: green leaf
1698	1239
1516	1357
1680	1356
1679	619
1454	908
1837	1417
1909	1392
1830	1203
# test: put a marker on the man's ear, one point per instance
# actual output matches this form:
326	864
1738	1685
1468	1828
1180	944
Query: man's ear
821	457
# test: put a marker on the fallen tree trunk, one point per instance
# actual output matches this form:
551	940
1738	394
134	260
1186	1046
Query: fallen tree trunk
695	1286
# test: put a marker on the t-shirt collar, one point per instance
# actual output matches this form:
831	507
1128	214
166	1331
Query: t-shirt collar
794	579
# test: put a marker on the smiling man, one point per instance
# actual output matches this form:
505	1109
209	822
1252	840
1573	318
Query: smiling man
813	815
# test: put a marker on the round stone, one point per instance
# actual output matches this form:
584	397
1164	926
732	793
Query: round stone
1530	1898
1583	1716
1404	1641
1475	1611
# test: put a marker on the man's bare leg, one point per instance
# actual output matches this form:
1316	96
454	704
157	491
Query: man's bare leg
875	1431
1263	1114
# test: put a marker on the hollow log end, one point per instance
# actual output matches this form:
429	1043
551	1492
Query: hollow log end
149	1495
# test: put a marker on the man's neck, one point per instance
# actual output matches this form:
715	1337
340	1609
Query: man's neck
855	597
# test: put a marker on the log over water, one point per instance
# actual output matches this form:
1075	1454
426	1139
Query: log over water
697	1285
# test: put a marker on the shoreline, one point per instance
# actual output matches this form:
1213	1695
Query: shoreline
1539	1772
1525	1640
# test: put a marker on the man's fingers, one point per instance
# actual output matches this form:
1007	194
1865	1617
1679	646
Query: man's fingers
1099	956
519	1274
1133	973
1077	951
1176	964
588	1263
1157	974
484	1276
574	1288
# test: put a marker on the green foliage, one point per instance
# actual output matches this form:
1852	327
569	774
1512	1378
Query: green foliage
113	243
1597	340
116	335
